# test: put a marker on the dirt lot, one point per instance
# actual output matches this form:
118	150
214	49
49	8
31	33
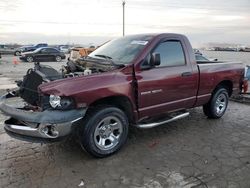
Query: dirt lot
193	152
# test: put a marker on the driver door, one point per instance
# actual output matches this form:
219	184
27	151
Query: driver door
170	86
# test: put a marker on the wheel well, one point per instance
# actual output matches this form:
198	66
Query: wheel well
120	102
227	84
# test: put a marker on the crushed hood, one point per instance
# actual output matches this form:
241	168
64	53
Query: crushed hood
75	85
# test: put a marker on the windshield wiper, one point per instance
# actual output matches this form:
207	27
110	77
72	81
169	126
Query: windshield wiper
104	56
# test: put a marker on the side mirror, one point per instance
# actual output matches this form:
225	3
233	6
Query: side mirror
155	59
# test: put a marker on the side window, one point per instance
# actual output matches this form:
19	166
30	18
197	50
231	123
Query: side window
53	50
171	53
44	50
50	50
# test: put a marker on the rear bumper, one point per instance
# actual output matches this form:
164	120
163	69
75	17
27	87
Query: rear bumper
45	125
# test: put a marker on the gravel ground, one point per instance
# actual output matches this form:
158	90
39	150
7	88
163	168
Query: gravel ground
192	152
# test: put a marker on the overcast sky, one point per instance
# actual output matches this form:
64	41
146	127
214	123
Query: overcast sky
87	21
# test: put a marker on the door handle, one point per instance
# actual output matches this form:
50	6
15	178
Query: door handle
186	74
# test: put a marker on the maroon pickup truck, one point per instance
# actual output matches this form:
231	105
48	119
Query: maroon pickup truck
139	80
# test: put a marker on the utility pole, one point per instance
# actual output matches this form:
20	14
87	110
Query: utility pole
123	8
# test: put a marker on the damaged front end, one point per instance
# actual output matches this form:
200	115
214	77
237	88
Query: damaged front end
36	119
47	115
47	125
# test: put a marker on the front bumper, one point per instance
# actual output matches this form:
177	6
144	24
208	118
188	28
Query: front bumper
45	125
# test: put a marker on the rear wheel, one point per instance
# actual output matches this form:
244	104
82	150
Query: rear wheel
217	105
58	58
104	131
29	59
17	53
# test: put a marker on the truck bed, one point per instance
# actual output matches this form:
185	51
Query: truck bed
212	73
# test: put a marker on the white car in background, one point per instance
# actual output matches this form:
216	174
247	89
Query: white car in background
64	49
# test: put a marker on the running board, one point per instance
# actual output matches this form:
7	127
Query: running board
151	125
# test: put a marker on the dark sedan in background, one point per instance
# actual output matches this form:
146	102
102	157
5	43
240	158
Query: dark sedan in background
43	54
23	49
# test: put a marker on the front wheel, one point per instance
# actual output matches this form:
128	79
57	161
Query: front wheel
104	131
217	105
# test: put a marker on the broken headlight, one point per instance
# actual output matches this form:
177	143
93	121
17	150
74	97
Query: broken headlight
61	103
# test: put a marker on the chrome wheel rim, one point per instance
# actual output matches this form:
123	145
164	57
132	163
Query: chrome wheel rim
108	133
58	58
18	53
29	59
221	103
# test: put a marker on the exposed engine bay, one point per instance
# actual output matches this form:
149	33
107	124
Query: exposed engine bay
28	87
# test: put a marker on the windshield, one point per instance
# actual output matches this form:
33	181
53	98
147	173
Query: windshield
37	50
122	50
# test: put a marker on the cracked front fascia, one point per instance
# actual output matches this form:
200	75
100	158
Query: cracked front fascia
48	117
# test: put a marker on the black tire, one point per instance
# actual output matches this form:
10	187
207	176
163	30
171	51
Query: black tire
58	58
217	105
17	53
93	131
29	59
